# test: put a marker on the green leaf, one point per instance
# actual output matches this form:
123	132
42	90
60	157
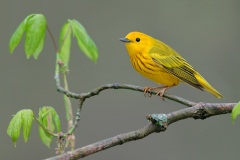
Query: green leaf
14	127
47	115
22	118
57	121
17	36
65	43
35	33
45	136
27	117
85	42
39	49
34	25
235	112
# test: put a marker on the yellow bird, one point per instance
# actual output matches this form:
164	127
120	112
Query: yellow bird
161	64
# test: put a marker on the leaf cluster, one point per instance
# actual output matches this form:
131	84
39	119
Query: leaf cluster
34	28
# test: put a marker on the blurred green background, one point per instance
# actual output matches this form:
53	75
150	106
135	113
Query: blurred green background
206	33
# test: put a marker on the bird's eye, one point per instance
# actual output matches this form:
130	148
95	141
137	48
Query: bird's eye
138	39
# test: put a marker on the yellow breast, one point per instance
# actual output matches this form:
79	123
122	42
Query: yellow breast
148	68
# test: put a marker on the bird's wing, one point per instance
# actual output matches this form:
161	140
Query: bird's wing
174	64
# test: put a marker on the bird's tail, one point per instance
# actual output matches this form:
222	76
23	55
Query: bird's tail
207	86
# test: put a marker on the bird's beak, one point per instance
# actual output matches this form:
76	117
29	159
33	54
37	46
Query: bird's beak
125	40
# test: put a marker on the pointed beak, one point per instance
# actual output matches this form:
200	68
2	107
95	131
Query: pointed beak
125	40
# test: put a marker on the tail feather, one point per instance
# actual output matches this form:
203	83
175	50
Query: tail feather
207	86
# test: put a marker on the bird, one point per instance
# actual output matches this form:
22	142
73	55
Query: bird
160	63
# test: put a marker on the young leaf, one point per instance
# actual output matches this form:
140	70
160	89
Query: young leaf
14	127
34	25
235	112
45	137
47	115
35	32
65	43
23	119
27	118
56	120
39	49
16	37
85	42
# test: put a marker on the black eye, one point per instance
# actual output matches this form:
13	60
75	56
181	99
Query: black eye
138	39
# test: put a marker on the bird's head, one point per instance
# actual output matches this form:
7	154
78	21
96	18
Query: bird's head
137	42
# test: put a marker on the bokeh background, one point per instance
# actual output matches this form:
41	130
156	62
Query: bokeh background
206	33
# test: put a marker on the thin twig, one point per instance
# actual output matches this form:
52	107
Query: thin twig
96	91
77	119
64	91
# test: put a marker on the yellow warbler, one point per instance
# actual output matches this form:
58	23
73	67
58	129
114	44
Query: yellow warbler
161	64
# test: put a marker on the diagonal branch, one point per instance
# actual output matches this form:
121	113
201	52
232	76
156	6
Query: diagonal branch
198	111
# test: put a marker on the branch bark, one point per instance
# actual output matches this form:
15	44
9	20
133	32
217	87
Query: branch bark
198	111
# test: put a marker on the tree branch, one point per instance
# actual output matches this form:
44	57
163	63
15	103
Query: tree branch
198	111
96	91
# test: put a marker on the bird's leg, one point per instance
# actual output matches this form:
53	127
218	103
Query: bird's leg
161	91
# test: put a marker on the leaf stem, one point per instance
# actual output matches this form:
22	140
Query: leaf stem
53	40
44	128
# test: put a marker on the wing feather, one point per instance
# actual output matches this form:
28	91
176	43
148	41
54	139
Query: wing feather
175	65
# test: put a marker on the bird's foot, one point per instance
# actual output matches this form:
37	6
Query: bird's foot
162	89
147	90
